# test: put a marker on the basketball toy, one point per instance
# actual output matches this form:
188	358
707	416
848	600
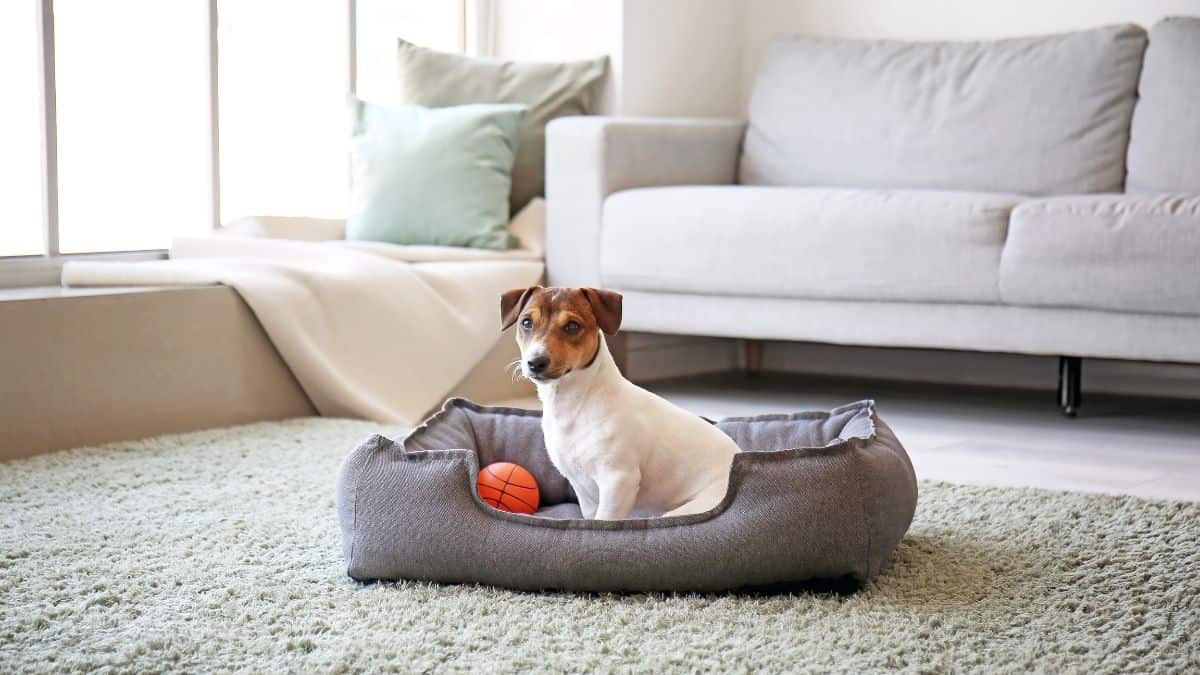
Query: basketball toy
508	487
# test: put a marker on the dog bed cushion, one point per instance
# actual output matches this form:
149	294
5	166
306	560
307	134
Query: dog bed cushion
812	496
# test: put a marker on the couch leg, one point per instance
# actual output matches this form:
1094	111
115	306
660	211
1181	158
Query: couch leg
752	356
1070	371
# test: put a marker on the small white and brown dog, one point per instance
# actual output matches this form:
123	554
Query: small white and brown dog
626	452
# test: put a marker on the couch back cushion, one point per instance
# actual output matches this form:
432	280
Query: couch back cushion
1036	115
1164	149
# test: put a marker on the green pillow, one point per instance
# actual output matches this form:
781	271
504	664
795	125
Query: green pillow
432	78
435	176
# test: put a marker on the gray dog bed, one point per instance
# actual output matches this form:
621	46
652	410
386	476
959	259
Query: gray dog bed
813	496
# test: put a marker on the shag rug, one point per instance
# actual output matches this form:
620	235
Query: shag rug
218	550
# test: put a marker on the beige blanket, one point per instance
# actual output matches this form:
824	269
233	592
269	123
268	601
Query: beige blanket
370	330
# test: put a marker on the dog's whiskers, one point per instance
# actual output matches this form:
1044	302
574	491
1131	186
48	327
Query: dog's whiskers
515	368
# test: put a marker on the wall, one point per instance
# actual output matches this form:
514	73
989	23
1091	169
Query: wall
682	58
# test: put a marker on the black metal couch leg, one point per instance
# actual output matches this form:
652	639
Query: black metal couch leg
1070	373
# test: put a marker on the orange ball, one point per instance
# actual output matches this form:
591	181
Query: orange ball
508	487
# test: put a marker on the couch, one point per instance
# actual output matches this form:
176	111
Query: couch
1036	195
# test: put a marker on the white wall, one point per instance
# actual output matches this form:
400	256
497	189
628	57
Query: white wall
682	58
938	19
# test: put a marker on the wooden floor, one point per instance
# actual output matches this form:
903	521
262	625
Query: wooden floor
1138	446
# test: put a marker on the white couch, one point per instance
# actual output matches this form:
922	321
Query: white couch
958	195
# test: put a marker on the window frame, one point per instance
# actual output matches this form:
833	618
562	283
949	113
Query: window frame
45	269
475	30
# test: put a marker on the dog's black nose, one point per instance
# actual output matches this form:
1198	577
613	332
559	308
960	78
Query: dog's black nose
538	365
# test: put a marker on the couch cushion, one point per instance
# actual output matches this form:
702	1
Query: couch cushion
806	242
1110	252
1037	115
1164	149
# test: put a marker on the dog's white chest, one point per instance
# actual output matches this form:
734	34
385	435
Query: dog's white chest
574	445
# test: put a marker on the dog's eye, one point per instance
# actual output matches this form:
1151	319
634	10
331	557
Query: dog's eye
527	323
571	328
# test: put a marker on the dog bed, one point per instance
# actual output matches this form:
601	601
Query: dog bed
813	496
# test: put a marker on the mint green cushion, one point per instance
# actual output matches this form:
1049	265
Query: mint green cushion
434	176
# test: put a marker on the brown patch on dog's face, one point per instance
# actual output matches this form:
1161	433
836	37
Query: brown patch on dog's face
558	329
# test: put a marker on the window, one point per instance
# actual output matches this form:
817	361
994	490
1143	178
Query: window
284	76
133	128
20	131
158	119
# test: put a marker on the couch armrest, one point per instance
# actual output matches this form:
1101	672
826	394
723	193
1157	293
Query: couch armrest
589	158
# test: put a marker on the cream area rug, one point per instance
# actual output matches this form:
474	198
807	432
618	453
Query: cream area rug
218	551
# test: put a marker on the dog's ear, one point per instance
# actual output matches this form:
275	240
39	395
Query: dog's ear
606	305
512	302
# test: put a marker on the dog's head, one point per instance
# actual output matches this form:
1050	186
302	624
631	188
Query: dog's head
558	329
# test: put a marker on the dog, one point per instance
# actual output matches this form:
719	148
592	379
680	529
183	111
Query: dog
625	451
